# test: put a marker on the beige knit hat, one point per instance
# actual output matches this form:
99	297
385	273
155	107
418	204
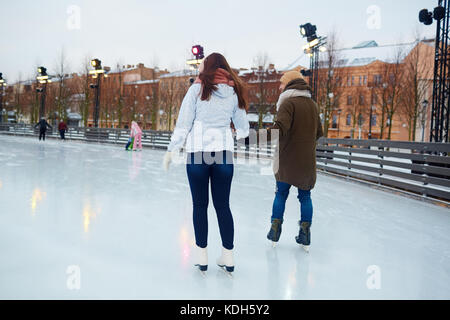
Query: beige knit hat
289	76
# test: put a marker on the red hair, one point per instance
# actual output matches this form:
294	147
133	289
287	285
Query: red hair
210	65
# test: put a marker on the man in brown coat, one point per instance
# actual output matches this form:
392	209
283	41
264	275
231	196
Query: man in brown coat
299	126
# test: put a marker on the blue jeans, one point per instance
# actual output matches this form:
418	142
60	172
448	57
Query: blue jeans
279	204
218	167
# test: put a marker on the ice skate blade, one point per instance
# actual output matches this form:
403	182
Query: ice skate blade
228	270
202	269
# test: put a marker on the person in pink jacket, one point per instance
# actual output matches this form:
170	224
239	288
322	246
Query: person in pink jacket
136	133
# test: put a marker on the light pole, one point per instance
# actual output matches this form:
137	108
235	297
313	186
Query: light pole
198	53
2	85
339	120
424	116
43	79
372	109
313	47
97	72
440	113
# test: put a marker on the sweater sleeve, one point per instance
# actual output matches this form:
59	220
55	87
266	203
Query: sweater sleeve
185	119
284	119
240	122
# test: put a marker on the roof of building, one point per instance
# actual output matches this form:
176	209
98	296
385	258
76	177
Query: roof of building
142	81
180	73
366	53
366	44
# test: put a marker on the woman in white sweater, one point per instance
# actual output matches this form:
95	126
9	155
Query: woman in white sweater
204	124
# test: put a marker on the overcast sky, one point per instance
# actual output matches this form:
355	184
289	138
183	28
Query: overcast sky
33	32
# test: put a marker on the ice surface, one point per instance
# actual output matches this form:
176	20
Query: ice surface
127	225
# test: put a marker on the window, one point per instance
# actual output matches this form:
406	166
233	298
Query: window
391	78
365	80
377	79
349	120
334	122
374	120
360	80
353	81
348	81
349	100
338	81
374	99
362	101
360	120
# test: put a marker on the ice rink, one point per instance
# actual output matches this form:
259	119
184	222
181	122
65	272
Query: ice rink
90	221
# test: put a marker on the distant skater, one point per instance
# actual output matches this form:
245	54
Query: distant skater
62	127
299	128
136	134
214	100
43	124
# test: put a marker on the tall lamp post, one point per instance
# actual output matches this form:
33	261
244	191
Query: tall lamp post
2	85
372	109
198	53
339	120
43	79
313	47
441	89
424	116
96	73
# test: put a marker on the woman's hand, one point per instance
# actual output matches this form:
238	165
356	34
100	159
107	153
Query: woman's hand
167	160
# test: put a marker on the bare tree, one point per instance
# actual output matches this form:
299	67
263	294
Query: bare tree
416	72
119	94
62	74
85	90
391	89
261	62
18	89
154	96
172	92
329	86
357	109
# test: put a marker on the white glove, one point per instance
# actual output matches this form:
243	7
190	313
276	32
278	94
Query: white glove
167	160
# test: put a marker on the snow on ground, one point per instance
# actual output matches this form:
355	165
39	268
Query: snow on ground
126	226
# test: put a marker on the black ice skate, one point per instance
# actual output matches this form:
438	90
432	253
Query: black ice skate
304	235
275	231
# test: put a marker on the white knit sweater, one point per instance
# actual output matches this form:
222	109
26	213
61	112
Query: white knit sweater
205	125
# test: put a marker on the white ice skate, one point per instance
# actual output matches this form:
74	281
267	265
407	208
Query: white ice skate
226	263
306	248
201	259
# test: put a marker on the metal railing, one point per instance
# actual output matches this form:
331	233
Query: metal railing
153	139
419	168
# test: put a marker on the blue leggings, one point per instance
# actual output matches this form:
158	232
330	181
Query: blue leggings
279	204
218	167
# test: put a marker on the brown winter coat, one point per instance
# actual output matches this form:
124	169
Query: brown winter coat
299	128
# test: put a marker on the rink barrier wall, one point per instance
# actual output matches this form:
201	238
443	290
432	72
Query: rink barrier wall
417	167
